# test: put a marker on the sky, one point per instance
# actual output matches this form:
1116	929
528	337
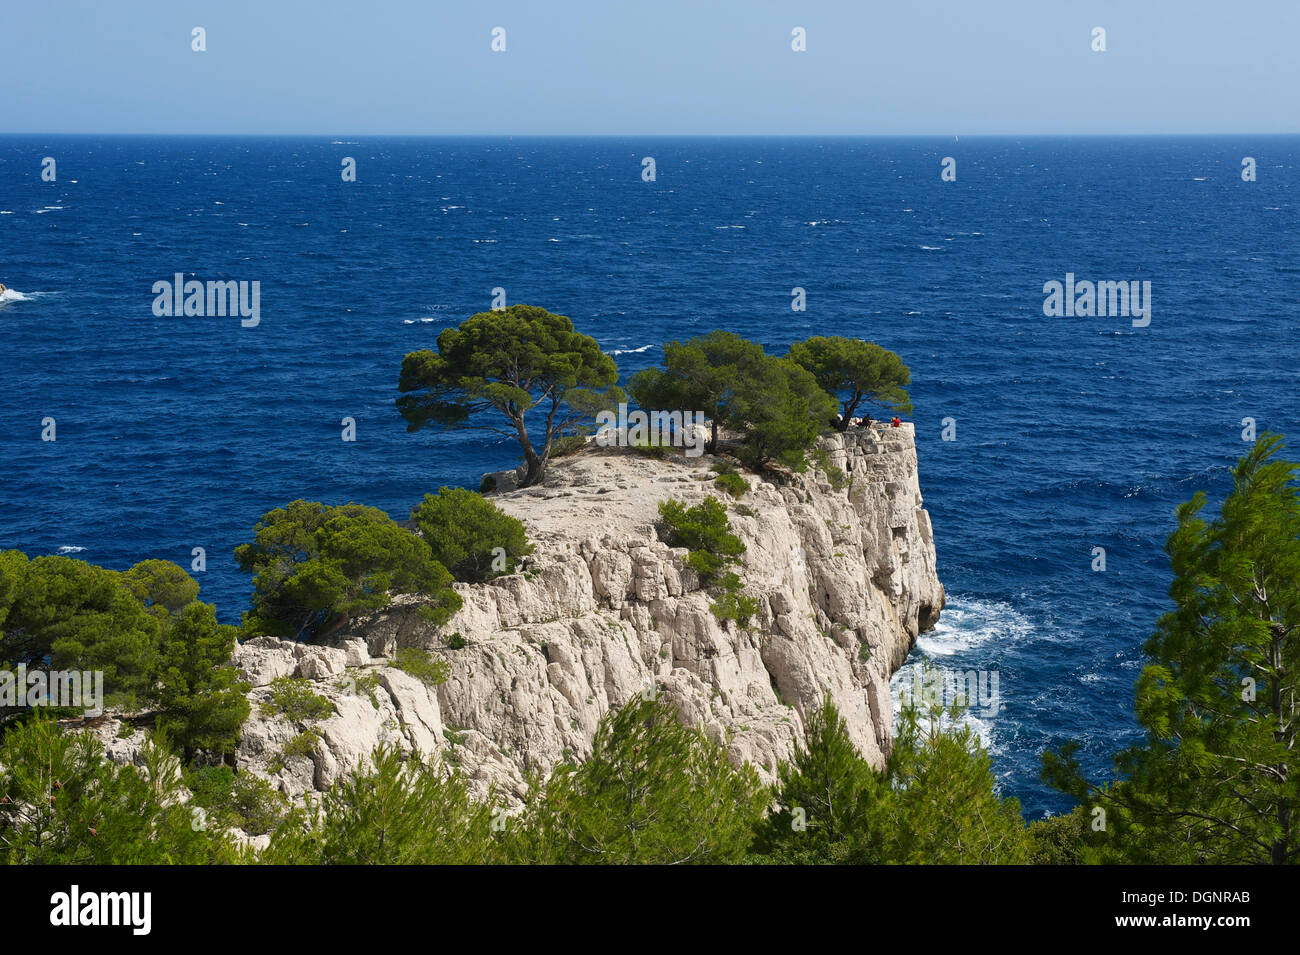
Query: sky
655	67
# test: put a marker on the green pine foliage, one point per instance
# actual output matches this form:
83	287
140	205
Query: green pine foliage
828	800
652	792
1218	697
776	405
422	665
295	700
395	811
943	806
201	697
705	531
65	803
464	531
855	371
317	567
66	614
510	362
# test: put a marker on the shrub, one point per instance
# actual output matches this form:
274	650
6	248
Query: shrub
835	475
395	811
569	444
470	536
316	567
304	744
735	605
241	800
457	642
652	792
705	532
422	665
294	699
732	483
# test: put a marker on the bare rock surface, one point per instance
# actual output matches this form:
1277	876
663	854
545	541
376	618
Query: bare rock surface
604	610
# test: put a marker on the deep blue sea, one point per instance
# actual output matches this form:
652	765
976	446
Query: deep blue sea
1072	433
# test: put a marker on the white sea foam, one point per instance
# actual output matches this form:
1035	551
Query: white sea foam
629	351
965	626
70	549
13	295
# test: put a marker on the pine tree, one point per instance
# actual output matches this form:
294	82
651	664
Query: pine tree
653	791
1218	699
826	797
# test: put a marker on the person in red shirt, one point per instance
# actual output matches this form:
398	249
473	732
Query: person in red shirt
897	423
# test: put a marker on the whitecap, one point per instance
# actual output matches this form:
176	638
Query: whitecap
629	351
968	623
70	549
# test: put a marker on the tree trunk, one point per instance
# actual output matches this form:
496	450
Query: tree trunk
536	462
536	467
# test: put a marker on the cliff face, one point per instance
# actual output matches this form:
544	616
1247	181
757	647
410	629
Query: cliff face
604	610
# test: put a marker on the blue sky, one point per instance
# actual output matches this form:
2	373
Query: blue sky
663	67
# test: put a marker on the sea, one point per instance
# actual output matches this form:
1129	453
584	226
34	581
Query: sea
1041	438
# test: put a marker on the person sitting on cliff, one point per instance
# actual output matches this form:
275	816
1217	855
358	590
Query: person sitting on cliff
896	422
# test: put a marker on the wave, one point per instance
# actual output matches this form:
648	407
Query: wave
13	295
629	351
70	549
967	623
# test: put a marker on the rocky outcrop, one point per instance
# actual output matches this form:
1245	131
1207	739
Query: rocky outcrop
844	572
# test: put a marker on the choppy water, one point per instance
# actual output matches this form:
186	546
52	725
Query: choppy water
1072	433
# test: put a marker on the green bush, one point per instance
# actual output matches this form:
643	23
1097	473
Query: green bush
316	567
304	744
294	699
735	605
705	532
470	536
729	481
66	803
457	642
422	665
233	800
653	792
395	811
567	445
835	475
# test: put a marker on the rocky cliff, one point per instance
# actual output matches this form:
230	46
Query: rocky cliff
844	573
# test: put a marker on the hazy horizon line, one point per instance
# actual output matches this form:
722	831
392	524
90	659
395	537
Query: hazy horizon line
633	135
